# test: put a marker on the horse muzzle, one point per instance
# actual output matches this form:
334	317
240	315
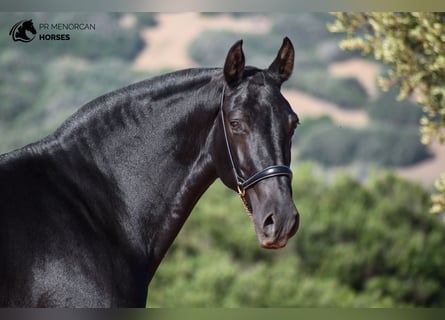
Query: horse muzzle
274	231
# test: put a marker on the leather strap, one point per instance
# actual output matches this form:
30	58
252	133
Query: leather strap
243	184
272	171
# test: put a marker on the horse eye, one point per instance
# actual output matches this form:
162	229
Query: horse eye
235	124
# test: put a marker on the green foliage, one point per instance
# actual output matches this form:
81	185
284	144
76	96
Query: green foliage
412	44
313	43
439	198
210	48
311	59
310	125
380	146
390	140
23	66
386	109
109	39
43	84
66	84
19	81
347	93
358	246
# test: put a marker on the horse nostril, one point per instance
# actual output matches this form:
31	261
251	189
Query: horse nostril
268	226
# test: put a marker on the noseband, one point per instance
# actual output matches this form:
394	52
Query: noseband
243	184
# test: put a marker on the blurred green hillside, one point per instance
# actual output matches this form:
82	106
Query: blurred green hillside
43	82
369	245
394	125
360	244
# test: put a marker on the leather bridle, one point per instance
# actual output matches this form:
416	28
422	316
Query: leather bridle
243	184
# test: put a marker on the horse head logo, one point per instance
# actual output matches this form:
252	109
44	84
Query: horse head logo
19	31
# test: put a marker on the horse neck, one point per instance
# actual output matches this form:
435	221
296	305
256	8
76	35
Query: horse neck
154	144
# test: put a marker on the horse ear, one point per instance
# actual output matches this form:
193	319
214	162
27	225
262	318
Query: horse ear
234	65
283	64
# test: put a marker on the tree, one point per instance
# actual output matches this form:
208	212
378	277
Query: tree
412	45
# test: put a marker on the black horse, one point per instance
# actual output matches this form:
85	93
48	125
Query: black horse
20	29
88	213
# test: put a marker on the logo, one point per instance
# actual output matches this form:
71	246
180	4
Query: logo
21	31
24	30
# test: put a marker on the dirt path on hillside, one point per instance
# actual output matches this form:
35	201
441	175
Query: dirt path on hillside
364	71
169	41
309	106
168	46
429	170
168	50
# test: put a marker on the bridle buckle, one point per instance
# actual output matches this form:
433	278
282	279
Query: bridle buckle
240	189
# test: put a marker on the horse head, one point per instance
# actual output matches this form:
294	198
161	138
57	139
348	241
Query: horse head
257	125
19	31
29	26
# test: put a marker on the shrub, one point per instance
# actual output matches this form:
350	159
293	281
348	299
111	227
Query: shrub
310	125
345	92
20	82
65	86
370	245
386	109
381	146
